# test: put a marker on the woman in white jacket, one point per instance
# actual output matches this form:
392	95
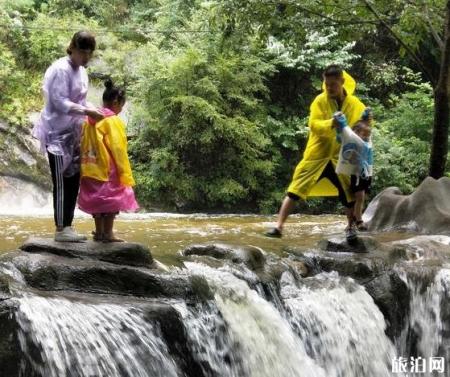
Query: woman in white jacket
59	128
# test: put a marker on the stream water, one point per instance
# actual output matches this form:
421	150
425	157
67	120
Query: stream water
321	326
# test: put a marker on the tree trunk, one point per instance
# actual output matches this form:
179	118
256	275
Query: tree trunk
439	144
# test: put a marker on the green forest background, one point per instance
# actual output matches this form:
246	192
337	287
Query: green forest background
220	90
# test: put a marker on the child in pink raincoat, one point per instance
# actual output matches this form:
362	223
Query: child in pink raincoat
106	177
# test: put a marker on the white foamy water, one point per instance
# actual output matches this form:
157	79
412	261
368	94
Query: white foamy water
18	197
267	346
86	340
340	325
425	324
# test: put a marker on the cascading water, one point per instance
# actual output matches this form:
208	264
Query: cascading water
265	342
330	327
320	326
423	334
342	328
60	337
18	197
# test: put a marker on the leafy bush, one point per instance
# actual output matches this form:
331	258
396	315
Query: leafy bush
202	145
402	140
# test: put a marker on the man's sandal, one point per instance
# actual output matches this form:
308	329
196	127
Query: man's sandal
361	226
273	233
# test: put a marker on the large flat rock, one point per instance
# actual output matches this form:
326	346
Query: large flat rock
253	257
49	272
339	244
122	253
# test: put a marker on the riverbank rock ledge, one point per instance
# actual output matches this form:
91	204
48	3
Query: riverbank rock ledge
123	253
426	210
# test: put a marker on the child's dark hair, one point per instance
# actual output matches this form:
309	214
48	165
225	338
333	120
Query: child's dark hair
333	70
113	93
360	125
82	40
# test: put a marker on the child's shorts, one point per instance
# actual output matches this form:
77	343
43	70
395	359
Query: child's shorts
360	184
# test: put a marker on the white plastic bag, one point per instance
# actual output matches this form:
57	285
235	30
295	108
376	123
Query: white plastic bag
356	155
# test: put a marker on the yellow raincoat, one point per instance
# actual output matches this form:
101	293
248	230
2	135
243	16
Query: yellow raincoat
322	146
99	143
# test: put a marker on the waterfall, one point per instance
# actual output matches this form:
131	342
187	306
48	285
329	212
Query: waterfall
342	328
321	326
18	197
60	337
265	345
423	334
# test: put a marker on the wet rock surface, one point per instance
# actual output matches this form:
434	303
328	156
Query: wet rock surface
10	352
127	274
251	256
120	274
379	268
122	253
426	210
50	272
339	244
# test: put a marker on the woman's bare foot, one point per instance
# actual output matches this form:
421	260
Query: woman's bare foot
111	238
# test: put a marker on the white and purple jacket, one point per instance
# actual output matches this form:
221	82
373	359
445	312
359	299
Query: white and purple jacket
59	126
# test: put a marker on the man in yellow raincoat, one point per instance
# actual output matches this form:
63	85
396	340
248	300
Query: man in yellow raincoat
315	174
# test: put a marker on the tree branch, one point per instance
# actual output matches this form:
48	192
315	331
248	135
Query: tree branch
435	34
407	48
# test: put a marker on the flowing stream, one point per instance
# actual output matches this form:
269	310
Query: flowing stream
326	325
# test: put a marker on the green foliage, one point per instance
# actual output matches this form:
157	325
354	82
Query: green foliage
202	145
320	49
402	140
220	90
49	37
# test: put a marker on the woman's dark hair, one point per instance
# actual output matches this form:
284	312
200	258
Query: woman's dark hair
113	93
333	70
82	40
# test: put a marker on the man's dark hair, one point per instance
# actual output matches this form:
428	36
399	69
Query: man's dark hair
82	40
333	70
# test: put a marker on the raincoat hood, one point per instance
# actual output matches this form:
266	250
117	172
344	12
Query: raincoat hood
349	84
322	147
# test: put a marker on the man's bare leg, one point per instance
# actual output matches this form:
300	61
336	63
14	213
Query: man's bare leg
360	197
286	209
359	205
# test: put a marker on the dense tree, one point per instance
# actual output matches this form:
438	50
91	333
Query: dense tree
219	90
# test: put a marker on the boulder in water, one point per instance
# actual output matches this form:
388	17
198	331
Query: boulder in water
339	244
52	272
123	253
426	210
251	256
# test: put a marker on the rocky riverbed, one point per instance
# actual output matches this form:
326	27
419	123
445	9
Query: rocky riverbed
197	316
